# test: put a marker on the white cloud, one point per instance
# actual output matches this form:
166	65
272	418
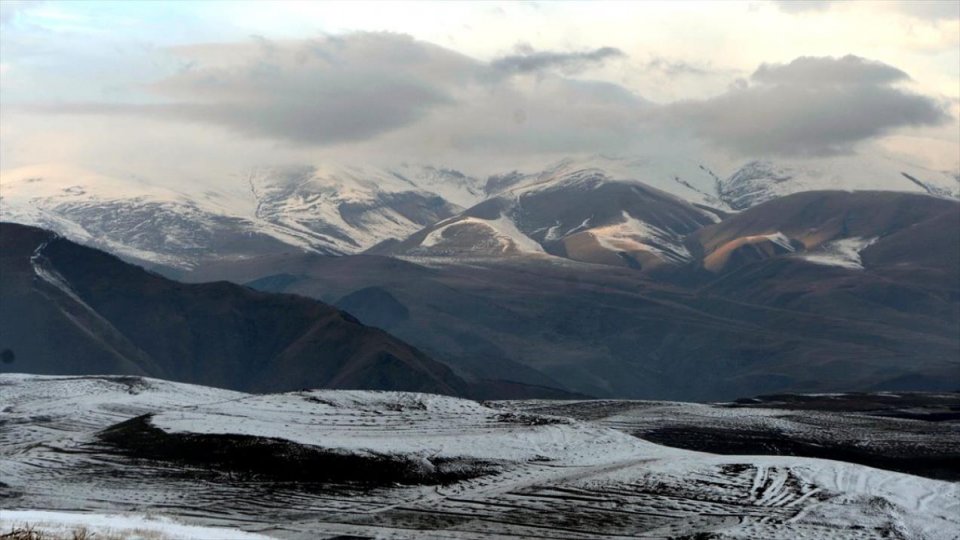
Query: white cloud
454	85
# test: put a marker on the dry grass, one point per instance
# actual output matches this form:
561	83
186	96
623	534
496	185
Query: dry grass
32	532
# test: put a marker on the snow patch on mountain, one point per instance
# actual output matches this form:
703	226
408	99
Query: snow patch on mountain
348	209
683	178
844	253
334	208
634	235
760	181
503	228
331	209
779	239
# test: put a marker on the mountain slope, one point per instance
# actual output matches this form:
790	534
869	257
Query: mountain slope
170	220
780	325
573	212
793	299
742	186
69	309
333	209
347	209
760	181
838	228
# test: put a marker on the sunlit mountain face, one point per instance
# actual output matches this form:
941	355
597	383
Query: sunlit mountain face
479	269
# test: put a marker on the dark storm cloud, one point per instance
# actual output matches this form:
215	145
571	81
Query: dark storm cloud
530	61
811	106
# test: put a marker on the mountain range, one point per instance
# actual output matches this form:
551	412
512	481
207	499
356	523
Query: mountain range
70	309
338	209
602	276
814	292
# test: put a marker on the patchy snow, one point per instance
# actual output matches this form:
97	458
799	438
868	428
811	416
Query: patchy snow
503	228
556	477
330	208
63	525
634	235
682	177
759	181
844	252
93	402
779	239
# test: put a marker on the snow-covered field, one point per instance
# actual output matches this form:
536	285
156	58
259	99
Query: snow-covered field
525	474
68	525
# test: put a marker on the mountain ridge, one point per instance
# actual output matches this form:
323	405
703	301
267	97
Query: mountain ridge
99	314
338	209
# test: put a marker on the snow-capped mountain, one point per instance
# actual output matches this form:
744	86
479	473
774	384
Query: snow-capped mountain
574	210
344	209
688	179
134	218
761	181
751	183
586	209
332	209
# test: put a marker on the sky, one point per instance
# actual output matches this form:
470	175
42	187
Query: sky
208	88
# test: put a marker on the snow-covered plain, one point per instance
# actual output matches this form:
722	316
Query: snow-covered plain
547	476
54	525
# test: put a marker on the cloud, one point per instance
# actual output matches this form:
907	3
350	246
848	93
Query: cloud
802	6
380	93
932	10
569	63
11	9
320	91
811	106
360	87
679	68
822	71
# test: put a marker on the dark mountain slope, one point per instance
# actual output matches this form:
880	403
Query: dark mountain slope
69	309
608	331
813	292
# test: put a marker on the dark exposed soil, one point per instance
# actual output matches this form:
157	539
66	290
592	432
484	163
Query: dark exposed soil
938	465
915	405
